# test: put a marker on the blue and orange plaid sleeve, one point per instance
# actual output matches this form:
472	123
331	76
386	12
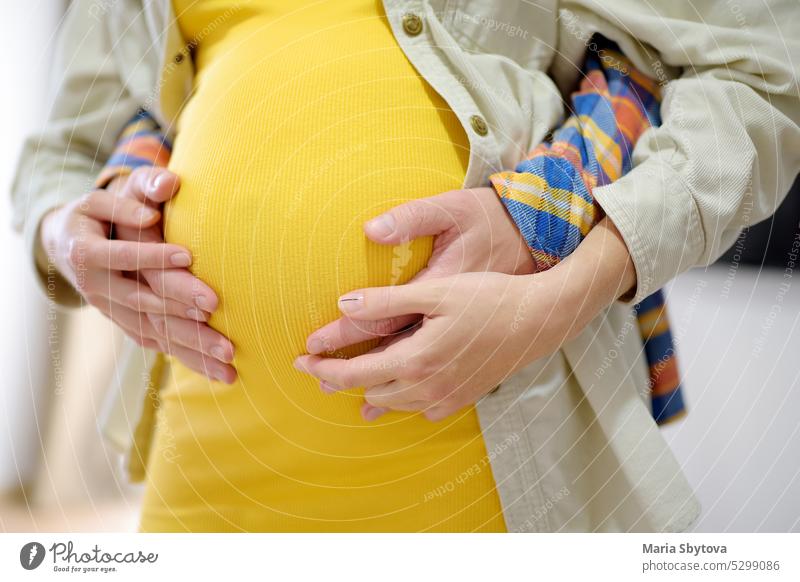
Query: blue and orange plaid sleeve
549	195
141	143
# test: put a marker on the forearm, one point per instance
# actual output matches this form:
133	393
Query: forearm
597	273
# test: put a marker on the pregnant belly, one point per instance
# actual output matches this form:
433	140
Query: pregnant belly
280	166
272	204
281	163
277	232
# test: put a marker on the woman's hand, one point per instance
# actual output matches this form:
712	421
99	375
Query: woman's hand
119	276
474	233
477	329
182	332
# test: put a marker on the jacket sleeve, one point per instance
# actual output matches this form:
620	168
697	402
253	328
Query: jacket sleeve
88	106
142	143
728	147
549	195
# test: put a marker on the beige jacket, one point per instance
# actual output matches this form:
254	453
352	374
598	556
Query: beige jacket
571	442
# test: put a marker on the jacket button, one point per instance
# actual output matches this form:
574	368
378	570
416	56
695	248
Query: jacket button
179	58
412	24
478	124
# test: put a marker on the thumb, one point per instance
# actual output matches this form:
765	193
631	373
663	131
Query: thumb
424	217
151	183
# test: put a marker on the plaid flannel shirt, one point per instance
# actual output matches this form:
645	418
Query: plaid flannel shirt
549	195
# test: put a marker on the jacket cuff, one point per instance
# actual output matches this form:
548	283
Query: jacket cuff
141	143
652	207
552	225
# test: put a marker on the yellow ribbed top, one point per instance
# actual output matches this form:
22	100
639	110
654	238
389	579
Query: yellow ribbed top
306	120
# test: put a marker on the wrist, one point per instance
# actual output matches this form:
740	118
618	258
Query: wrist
599	272
509	236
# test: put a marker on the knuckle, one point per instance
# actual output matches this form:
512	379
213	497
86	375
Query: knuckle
179	335
125	258
343	336
76	253
141	171
348	377
384	327
159	324
430	393
85	201
414	374
422	364
452	370
200	336
425	393
382	299
139	177
203	339
415	214
132	301
169	307
460	204
155	279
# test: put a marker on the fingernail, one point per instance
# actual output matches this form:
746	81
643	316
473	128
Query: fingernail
202	302
370	413
156	182
195	314
145	214
328	388
220	353
382	226
298	366
316	346
220	375
181	260
351	302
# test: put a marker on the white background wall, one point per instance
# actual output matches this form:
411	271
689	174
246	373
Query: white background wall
26	33
740	444
738	334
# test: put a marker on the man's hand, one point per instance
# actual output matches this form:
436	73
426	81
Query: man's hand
477	329
138	281
474	233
